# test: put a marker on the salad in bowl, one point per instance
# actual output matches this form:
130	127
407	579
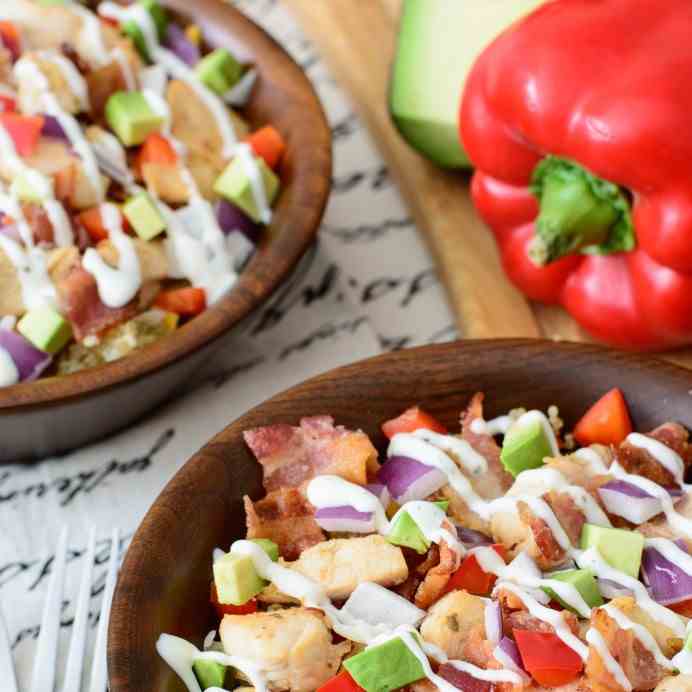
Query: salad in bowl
132	191
513	556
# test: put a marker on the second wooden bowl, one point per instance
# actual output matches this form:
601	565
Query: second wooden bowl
56	414
164	582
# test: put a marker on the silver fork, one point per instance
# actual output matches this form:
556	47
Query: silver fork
46	657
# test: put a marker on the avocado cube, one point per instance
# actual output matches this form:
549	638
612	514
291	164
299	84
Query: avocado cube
46	329
132	29
236	579
268	546
209	673
385	667
144	216
234	184
130	116
620	548
525	447
219	70
584	582
405	532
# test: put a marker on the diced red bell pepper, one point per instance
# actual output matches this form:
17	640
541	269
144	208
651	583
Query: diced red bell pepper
343	682
183	301
269	144
606	422
11	39
93	224
7	104
548	660
25	131
411	420
470	577
157	149
230	609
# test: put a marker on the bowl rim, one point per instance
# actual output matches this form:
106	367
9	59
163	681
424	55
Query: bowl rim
122	621
270	267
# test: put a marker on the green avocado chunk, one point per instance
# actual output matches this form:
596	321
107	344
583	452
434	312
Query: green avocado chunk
209	673
132	29
144	216
268	546
130	116
405	532
620	548
439	40
46	329
524	447
385	667
236	579
219	70
585	583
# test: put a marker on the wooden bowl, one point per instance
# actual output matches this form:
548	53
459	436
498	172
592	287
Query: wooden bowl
55	414
164	582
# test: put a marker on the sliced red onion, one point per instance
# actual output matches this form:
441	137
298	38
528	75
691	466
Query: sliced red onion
668	583
408	479
463	680
471	538
629	501
610	589
381	492
493	622
30	361
345	518
231	218
53	128
507	653
11	231
177	42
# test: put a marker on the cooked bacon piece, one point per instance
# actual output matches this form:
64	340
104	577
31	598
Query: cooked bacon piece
515	616
638	461
549	552
496	482
291	456
433	586
286	518
80	300
567	511
39	223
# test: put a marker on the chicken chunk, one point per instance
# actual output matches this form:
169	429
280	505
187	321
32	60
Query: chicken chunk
341	564
452	621
31	92
293	647
43	26
677	683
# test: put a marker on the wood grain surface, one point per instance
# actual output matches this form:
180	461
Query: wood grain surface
357	39
164	581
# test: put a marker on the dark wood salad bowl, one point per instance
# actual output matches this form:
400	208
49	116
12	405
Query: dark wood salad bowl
56	414
164	582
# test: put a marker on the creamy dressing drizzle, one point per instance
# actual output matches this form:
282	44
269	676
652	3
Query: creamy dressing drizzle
496	426
117	286
594	637
467	456
9	374
664	455
593	460
683	659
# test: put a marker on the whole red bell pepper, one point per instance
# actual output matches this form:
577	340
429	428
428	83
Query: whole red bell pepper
578	122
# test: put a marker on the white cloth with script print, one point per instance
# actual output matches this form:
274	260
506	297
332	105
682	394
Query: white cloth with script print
368	286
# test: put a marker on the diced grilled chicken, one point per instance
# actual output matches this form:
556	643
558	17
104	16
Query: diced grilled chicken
454	624
341	564
43	27
293	647
30	92
677	683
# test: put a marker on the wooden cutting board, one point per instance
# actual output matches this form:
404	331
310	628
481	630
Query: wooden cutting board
357	39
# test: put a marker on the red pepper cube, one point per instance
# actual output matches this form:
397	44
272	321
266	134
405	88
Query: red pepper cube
343	682
470	577
547	658
411	420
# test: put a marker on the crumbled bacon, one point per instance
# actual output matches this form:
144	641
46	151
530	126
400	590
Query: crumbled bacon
550	552
102	84
39	223
292	455
638	461
567	511
433	586
484	444
80	301
286	518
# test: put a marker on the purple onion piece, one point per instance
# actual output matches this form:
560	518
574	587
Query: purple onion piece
30	361
53	128
668	583
408	479
621	499
509	647
626	488
381	492
675	492
231	218
472	538
11	231
610	589
345	518
177	42
493	622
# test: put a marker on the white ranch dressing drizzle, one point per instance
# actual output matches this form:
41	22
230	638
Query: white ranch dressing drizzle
496	426
595	638
468	457
91	35
117	286
683	659
676	520
9	374
180	655
70	74
640	632
119	55
535	416
594	461
664	455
